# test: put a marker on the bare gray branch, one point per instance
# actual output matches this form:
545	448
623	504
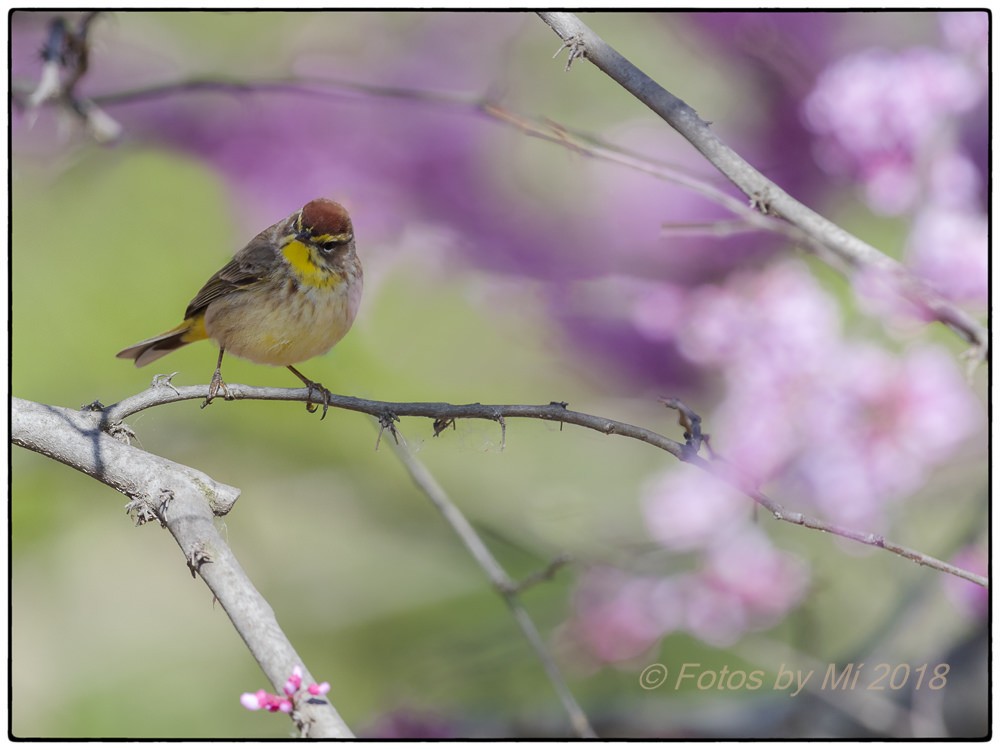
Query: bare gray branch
185	501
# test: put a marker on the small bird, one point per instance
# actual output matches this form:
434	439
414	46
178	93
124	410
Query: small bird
288	296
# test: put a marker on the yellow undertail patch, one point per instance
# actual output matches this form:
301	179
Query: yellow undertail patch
196	329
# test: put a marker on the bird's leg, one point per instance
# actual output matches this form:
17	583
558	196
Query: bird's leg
216	385
313	386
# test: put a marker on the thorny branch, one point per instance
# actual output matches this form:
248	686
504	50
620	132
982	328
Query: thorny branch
556	411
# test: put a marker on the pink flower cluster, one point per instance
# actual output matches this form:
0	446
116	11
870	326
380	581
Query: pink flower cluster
843	426
882	118
893	122
829	426
273	703
742	583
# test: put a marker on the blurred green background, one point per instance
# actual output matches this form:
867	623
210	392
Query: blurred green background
111	636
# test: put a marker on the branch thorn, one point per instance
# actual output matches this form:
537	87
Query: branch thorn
577	49
387	421
443	423
162	380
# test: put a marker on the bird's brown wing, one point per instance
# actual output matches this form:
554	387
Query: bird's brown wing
249	266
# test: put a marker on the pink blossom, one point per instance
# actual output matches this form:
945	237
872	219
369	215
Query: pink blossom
919	403
895	418
779	316
613	618
744	583
879	115
685	508
285	704
321	689
714	615
950	249
713	335
294	682
968	33
953	181
766	581
843	427
660	312
253	701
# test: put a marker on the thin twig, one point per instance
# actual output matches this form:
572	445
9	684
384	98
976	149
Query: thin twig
762	192
555	411
502	582
545	574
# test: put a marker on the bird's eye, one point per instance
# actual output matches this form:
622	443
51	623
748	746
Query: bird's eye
329	246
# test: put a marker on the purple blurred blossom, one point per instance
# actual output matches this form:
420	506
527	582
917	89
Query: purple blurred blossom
835	425
713	615
880	115
768	335
618	616
744	583
659	312
974	142
968	34
950	249
778	316
753	578
637	356
923	404
685	508
953	181
836	420
895	419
